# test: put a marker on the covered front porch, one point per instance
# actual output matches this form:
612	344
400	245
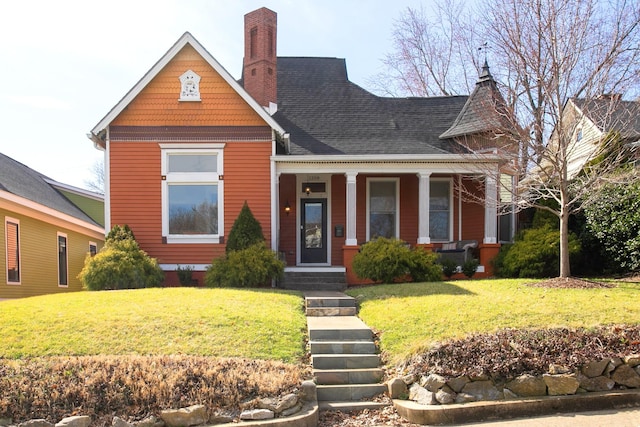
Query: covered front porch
325	208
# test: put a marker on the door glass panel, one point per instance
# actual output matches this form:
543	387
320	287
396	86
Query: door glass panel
313	225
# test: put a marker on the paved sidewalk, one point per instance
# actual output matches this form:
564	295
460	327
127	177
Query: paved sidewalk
614	418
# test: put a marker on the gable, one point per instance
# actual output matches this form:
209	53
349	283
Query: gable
158	103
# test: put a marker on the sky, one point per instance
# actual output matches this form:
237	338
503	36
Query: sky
64	64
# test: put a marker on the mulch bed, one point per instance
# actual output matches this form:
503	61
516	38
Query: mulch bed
571	282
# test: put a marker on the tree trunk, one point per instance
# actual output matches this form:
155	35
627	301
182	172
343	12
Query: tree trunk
565	266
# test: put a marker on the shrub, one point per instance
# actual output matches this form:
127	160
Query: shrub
614	219
535	253
246	231
121	264
254	266
423	265
449	267
386	260
185	275
469	267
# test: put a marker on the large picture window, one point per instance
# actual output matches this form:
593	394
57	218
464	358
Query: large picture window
382	208
12	236
192	195
440	210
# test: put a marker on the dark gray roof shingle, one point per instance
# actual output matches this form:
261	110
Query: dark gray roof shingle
325	113
25	182
610	113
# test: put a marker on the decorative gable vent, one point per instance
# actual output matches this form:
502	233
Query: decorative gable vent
190	86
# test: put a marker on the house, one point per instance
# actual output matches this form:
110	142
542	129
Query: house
590	121
48	229
323	164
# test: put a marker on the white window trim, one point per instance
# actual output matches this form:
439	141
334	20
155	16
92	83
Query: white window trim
8	219
58	235
192	178
396	180
450	181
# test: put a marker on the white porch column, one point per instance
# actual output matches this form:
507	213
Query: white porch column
490	210
351	239
423	208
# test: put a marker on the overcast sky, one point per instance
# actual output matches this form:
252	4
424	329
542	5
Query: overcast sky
65	64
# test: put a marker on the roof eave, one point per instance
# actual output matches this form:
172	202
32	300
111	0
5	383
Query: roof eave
187	38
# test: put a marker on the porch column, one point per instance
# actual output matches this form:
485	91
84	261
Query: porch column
351	239
423	208
490	211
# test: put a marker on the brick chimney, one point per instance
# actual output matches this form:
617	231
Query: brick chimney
259	66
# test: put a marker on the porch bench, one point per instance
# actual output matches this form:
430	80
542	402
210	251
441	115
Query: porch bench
459	251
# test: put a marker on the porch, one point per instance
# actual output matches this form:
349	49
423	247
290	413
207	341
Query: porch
324	211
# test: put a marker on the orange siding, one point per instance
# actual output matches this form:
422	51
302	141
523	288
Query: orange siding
338	217
136	197
472	213
288	222
157	104
247	176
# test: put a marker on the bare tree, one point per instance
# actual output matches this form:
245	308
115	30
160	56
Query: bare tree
544	53
96	183
429	48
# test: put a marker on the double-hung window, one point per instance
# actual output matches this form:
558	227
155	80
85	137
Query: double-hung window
440	212
383	208
12	237
192	193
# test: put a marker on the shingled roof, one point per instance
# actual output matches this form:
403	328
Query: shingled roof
610	113
325	114
25	182
484	110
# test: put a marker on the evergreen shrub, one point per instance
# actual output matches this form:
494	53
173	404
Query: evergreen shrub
121	264
254	266
388	260
245	232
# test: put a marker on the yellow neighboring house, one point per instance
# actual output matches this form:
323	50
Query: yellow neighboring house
48	228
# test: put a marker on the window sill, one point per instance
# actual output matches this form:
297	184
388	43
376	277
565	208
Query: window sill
192	239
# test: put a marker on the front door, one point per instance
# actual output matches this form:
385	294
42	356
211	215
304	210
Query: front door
313	231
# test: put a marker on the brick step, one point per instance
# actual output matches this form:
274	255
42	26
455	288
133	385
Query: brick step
353	392
342	347
347	376
345	361
331	311
348	406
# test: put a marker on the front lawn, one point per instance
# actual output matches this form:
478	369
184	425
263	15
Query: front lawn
255	324
410	317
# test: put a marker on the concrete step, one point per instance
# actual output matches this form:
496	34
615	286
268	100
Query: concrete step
348	406
338	328
348	376
331	311
328	299
314	280
345	361
349	392
342	347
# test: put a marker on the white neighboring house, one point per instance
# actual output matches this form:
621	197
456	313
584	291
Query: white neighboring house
592	120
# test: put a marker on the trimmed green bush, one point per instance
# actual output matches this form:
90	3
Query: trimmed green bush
535	253
119	233
254	266
423	265
185	275
246	231
388	260
614	219
121	264
449	267
469	267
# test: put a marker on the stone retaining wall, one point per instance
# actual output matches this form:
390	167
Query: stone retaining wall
601	375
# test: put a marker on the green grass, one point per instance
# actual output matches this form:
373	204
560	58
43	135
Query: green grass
413	316
255	324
